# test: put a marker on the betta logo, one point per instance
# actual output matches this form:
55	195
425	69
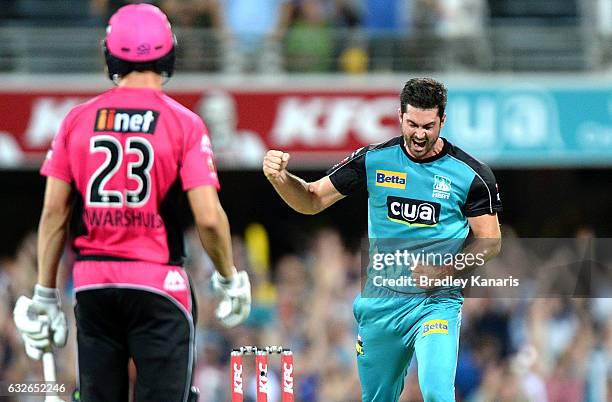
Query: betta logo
435	327
126	120
413	212
387	178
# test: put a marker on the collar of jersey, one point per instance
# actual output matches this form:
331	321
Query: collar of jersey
133	89
437	156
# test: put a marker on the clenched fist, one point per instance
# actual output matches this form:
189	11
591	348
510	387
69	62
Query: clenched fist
275	164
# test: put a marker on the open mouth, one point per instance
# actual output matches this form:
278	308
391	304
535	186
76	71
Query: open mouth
419	145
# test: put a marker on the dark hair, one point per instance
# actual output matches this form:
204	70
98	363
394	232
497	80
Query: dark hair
424	93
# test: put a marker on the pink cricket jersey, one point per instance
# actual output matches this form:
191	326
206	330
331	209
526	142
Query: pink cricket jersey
130	153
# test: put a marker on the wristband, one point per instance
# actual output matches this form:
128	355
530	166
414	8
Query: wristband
45	295
227	281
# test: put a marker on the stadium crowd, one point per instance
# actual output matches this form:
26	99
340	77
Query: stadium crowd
284	35
311	36
533	348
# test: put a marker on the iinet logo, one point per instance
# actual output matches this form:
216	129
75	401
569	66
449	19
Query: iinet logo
237	378
126	120
288	378
174	282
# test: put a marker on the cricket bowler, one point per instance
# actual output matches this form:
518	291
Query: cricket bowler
421	189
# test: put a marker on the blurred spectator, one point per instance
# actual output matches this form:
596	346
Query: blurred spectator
461	18
251	32
188	13
347	13
604	17
309	41
387	16
420	48
233	148
103	9
385	22
44	13
198	49
462	27
427	15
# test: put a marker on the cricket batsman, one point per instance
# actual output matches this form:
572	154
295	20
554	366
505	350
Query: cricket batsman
423	190
118	166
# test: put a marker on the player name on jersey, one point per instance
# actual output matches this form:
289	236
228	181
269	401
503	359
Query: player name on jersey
119	218
126	120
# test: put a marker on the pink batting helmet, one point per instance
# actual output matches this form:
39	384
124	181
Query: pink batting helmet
139	36
139	33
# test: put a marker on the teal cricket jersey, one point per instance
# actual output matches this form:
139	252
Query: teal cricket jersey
414	205
413	201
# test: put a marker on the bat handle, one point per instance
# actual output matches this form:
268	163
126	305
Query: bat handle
48	366
49	374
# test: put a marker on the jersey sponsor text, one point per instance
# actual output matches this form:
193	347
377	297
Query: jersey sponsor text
387	178
435	327
410	211
126	120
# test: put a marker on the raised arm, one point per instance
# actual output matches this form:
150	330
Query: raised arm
306	198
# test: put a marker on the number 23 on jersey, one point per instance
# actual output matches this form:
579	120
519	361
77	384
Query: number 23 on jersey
138	170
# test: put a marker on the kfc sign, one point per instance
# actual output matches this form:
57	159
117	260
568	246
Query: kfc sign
332	122
317	128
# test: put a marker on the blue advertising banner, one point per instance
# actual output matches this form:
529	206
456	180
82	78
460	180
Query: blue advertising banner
531	125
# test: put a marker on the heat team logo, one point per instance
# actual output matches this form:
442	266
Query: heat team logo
435	327
126	120
387	178
442	187
413	212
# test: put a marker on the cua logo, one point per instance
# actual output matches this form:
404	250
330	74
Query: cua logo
387	178
410	211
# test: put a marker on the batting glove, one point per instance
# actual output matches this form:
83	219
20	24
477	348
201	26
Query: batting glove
235	306
40	321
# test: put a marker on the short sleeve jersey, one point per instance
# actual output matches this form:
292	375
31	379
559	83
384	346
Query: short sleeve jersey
129	153
418	199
